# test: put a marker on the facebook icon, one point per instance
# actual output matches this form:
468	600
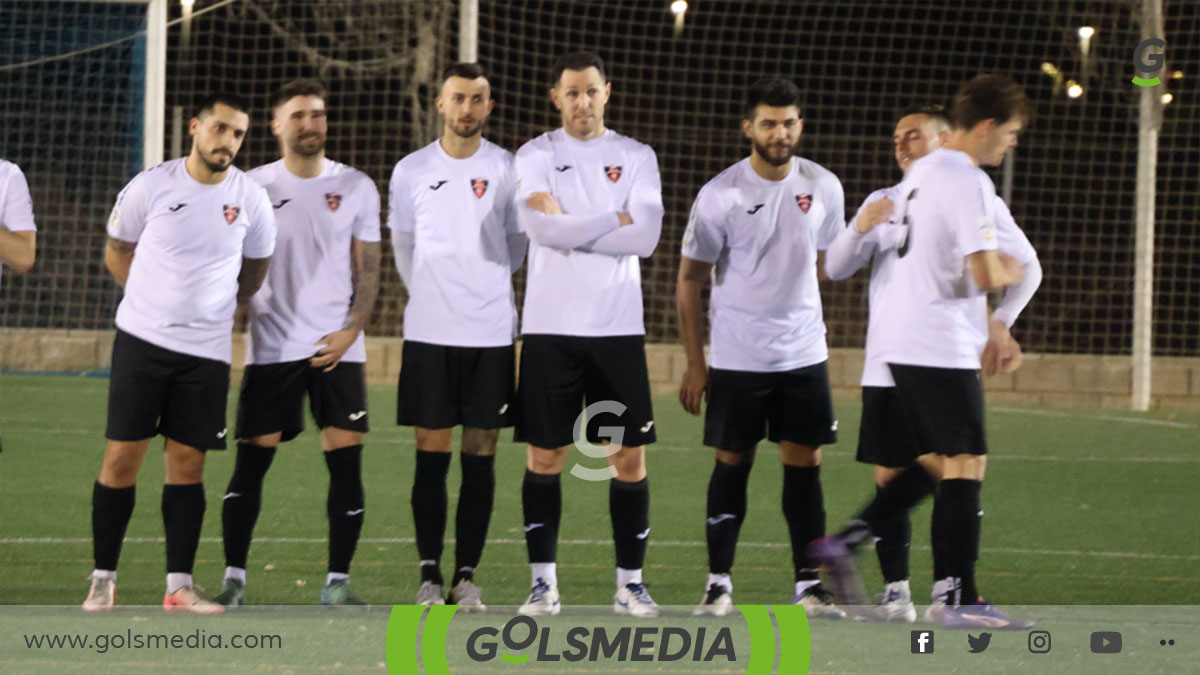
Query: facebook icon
922	642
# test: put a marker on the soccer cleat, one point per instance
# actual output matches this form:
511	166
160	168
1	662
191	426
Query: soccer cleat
190	599
543	599
936	608
101	596
981	615
233	593
466	595
634	600
716	602
430	594
338	593
895	604
838	557
818	603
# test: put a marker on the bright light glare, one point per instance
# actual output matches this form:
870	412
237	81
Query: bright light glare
1074	90
1086	32
187	4
679	7
1167	98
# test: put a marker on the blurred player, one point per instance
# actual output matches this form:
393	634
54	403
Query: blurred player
457	245
945	261
203	232
18	233
884	439
306	336
758	230
590	200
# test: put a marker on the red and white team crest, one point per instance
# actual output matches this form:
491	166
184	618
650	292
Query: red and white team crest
231	213
333	200
804	202
479	186
613	173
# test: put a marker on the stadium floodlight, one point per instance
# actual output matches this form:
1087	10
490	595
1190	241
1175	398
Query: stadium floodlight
679	7
1086	32
1074	89
1167	98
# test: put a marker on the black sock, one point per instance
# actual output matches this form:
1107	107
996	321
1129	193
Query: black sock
895	534
541	497
243	501
475	499
429	511
111	510
900	494
960	532
344	505
183	516
726	511
629	508
936	524
804	509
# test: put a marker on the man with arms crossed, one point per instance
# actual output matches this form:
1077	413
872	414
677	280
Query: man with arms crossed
946	261
203	232
590	200
306	336
884	439
758	230
457	245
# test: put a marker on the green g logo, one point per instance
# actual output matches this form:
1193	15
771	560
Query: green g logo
1148	63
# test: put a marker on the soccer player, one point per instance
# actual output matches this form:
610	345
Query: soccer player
203	233
590	200
306	336
18	233
454	230
758	230
884	439
941	258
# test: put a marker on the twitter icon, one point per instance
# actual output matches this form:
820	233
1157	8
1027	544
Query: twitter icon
978	644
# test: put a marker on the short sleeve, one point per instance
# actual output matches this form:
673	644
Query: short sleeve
260	235
128	217
971	207
16	211
835	211
704	239
366	223
506	204
1010	239
532	170
400	211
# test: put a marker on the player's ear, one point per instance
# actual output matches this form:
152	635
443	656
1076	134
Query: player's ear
491	105
554	98
607	90
194	125
438	102
746	126
800	126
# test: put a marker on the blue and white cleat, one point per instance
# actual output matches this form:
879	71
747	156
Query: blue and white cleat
543	600
832	553
634	600
981	615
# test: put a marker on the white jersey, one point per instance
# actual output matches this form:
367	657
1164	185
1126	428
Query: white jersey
932	313
763	237
191	238
460	215
16	206
584	277
309	285
873	246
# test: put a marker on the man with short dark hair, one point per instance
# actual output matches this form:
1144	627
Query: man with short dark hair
454	230
204	233
306	336
758	230
884	439
590	200
942	259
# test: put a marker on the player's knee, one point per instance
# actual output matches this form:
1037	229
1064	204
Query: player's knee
479	441
545	461
333	438
795	454
885	474
119	468
434	440
266	440
630	463
737	458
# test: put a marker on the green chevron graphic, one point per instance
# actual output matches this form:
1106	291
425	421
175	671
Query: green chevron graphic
795	641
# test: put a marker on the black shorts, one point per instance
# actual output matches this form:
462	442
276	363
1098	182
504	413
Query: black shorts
944	407
744	407
154	391
442	387
560	372
885	435
272	398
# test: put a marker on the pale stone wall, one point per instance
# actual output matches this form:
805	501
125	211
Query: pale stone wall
1052	380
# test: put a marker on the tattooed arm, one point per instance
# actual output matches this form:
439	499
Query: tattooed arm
366	256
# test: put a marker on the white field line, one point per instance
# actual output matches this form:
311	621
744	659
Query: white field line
603	542
1107	418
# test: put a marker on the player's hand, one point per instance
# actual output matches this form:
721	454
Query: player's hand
625	218
875	213
542	201
1002	354
694	388
334	348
